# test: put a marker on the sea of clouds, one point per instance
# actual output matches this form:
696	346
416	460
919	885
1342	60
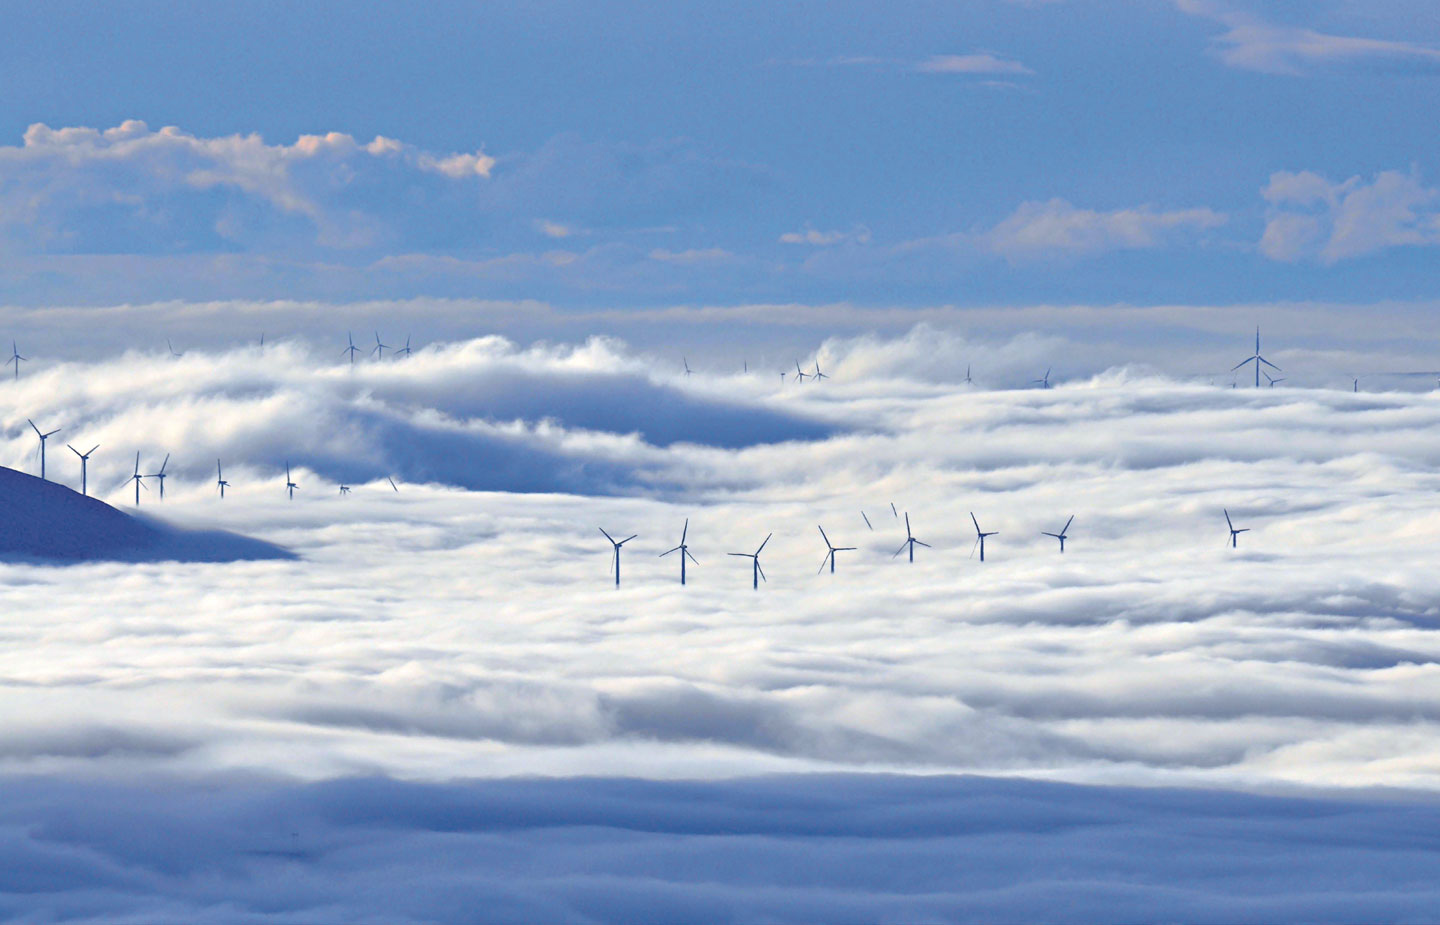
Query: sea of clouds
445	688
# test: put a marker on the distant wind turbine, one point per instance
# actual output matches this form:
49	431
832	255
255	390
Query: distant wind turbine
1043	381
405	350
910	540
220	482
84	465
802	376
1274	379
758	575
817	375
1059	536
833	549
686	361
980	537
1257	359
171	347
43	437
967	380
1357	385
138	479
615	560
344	489
16	358
683	550
290	486
161	476
379	350
352	349
1234	534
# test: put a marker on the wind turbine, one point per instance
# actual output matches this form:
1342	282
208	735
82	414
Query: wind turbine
980	536
615	560
379	350
830	556
687	366
1234	534
405	350
344	489
43	438
910	540
1043	381
138	479
352	349
759	573
682	549
220	482
84	465
289	485
1257	359
15	358
967	380
161	476
1357	385
817	375
173	353
1059	536
802	376
1272	379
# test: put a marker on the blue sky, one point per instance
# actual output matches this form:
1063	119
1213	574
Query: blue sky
976	152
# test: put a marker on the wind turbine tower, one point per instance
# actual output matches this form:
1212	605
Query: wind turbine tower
84	466
1059	536
138	479
910	540
43	437
980	536
683	550
758	573
1234	534
1257	359
833	549
615	559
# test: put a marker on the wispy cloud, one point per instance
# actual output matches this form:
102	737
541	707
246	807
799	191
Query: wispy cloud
978	63
1311	217
1057	228
859	234
1253	43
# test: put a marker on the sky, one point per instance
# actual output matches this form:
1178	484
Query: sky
968	153
1026	241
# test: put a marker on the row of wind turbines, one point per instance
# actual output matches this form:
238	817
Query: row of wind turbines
757	573
138	478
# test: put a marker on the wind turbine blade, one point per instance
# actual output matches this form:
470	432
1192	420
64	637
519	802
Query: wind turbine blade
1067	524
761	570
743	555
867	520
607	536
762	545
846	548
628	538
823	536
691	555
392	483
1269	364
92	449
972	548
975	522
684	531
907	523
825	561
165	463
1227	519
1243	530
73	450
926	545
901	549
32	424
668	552
1056	535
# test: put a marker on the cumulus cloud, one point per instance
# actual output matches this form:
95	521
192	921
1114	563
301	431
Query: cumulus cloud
1057	228
1253	43
1311	217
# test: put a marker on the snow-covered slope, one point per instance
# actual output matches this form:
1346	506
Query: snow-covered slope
45	520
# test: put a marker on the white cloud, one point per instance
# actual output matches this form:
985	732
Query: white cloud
691	256
1057	228
1311	217
1252	43
977	63
553	229
813	236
